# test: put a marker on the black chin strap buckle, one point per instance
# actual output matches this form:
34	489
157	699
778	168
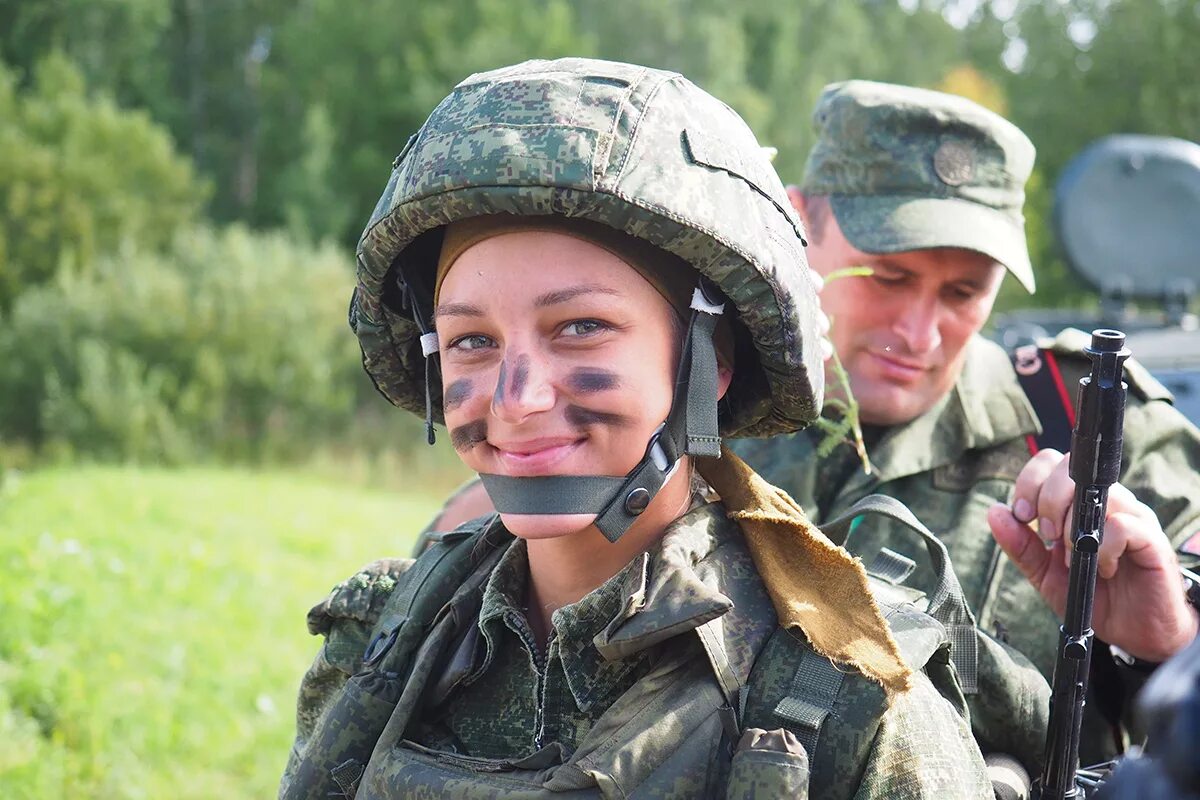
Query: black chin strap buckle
638	497
712	296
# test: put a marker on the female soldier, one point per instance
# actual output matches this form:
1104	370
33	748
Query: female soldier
590	255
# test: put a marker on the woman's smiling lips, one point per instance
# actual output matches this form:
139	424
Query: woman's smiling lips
535	456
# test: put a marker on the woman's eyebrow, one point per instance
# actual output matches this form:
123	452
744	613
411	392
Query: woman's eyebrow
570	293
457	310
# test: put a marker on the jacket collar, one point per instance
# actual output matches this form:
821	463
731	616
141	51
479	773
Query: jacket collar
661	593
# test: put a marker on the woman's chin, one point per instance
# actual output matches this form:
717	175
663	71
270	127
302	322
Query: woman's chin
546	526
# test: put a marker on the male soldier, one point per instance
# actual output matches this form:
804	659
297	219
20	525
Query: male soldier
926	190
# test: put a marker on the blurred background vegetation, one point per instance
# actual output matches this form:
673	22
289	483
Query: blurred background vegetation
182	182
181	186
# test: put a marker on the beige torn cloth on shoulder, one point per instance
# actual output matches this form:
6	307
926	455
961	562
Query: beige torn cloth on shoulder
815	585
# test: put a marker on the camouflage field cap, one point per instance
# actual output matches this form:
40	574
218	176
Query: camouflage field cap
913	169
641	150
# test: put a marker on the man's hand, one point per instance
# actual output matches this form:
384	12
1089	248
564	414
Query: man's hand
1140	605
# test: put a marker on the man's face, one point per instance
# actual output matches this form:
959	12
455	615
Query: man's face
901	333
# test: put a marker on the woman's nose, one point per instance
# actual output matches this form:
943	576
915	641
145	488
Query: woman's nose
522	389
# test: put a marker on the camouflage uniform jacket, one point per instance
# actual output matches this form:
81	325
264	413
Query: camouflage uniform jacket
953	462
503	697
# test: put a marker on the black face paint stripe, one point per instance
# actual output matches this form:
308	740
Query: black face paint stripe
590	381
457	393
464	437
520	376
581	417
498	396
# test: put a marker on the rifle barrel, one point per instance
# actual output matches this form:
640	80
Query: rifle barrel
1095	465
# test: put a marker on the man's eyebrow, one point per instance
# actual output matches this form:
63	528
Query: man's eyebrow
889	264
570	293
457	310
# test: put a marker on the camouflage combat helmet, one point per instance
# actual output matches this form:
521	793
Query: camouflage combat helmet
640	150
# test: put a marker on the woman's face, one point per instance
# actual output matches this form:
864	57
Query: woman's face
557	358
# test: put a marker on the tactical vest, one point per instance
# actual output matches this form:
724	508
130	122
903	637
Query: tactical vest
670	735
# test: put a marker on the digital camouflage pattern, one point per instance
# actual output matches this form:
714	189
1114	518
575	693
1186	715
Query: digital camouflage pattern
554	692
953	462
646	679
662	736
640	150
913	169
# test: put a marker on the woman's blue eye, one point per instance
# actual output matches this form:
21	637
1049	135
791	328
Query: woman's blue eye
472	341
582	327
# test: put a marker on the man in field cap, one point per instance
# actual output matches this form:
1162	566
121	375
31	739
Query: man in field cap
909	169
926	190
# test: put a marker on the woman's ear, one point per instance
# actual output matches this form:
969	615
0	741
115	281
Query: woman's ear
724	378
796	197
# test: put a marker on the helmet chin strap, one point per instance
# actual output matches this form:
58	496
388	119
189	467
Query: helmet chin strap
690	429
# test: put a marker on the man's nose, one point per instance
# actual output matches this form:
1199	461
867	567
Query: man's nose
918	324
523	388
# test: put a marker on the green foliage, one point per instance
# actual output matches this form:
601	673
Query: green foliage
1094	68
114	42
136	343
80	178
154	634
347	83
232	345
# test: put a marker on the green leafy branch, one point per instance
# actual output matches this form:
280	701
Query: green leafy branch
847	429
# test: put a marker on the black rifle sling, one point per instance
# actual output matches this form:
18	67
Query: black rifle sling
1042	381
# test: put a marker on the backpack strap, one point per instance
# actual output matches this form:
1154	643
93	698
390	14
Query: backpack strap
429	571
341	745
835	712
814	690
1042	381
810	701
731	685
947	604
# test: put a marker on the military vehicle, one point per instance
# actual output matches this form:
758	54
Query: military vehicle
1127	220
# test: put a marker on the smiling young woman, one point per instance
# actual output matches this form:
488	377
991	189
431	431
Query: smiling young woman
589	272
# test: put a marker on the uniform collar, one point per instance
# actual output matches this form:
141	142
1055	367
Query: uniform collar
660	594
986	407
670	596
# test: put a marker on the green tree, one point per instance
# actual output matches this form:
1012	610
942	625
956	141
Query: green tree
346	84
231	344
80	177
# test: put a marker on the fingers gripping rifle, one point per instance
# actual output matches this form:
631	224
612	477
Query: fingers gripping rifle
1095	466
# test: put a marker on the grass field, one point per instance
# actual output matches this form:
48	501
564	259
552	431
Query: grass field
152	622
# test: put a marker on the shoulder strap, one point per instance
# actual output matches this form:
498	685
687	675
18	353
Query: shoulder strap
729	681
810	700
833	713
1042	381
947	604
341	745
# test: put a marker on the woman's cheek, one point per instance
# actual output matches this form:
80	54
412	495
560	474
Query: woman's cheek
456	393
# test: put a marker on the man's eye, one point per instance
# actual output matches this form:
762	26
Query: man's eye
472	341
583	327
